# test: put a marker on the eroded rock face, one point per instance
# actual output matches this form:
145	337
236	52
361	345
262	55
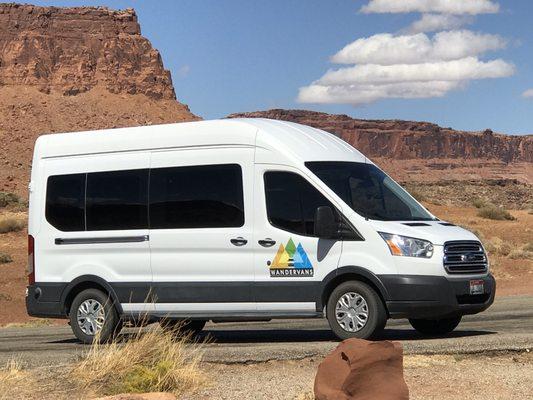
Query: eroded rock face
410	140
75	69
72	50
362	370
422	151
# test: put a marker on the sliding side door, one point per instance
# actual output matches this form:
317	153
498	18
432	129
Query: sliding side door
201	231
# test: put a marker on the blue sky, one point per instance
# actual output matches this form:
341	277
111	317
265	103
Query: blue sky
247	55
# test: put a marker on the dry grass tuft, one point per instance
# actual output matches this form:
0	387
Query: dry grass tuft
11	224
5	258
479	203
153	360
490	211
13	378
521	254
528	247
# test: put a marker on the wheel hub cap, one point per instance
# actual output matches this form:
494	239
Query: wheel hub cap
91	317
351	312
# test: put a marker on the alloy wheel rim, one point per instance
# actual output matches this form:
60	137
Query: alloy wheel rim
351	312
91	317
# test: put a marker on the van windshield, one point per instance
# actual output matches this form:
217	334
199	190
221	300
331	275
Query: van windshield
369	191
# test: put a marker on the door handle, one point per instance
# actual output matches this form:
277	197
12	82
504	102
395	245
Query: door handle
267	242
239	241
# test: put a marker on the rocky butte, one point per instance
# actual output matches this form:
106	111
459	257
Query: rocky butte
73	69
423	151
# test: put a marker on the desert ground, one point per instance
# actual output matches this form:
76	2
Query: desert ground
499	366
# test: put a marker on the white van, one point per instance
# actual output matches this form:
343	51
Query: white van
238	219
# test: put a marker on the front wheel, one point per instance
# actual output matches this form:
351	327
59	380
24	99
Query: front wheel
355	310
435	327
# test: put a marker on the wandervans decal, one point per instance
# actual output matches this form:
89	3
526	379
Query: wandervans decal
291	261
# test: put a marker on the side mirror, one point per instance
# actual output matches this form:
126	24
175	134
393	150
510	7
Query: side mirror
325	224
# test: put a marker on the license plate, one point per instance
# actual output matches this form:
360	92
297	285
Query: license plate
476	287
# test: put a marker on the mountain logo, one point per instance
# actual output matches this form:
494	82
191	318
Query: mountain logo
291	261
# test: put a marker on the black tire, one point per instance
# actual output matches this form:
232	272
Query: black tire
376	312
183	326
435	327
111	321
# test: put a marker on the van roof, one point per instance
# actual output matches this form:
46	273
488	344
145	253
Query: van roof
293	140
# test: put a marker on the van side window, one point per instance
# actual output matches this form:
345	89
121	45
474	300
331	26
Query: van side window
65	202
209	196
117	200
291	202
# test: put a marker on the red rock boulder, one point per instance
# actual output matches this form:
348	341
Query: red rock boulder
362	370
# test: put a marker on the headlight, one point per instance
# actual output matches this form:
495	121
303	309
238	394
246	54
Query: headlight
407	246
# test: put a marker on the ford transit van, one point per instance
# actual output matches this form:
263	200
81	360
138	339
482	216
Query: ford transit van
240	219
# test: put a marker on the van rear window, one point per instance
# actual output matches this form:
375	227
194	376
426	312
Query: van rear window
65	202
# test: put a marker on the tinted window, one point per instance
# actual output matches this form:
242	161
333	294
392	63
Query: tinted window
292	202
369	191
117	200
208	196
65	201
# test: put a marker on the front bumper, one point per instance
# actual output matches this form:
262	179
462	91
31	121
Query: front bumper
435	297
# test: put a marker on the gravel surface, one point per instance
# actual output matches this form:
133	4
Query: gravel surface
450	377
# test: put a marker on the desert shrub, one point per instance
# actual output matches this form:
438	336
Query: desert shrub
490	211
528	247
154	360
497	246
418	195
521	254
11	224
479	203
5	258
7	199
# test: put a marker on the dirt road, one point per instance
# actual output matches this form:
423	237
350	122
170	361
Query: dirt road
507	325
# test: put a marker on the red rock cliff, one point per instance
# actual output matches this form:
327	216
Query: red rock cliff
410	140
72	50
74	69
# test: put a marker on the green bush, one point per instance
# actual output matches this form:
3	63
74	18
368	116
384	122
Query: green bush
496	213
5	258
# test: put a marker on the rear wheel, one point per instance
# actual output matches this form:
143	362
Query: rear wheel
435	326
355	310
186	326
93	317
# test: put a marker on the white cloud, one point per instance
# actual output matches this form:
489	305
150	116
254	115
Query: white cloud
438	22
472	7
387	49
456	70
367	83
413	64
528	93
362	94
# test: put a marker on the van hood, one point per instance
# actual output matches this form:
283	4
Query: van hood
437	232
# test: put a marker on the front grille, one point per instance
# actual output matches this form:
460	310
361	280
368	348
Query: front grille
464	257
